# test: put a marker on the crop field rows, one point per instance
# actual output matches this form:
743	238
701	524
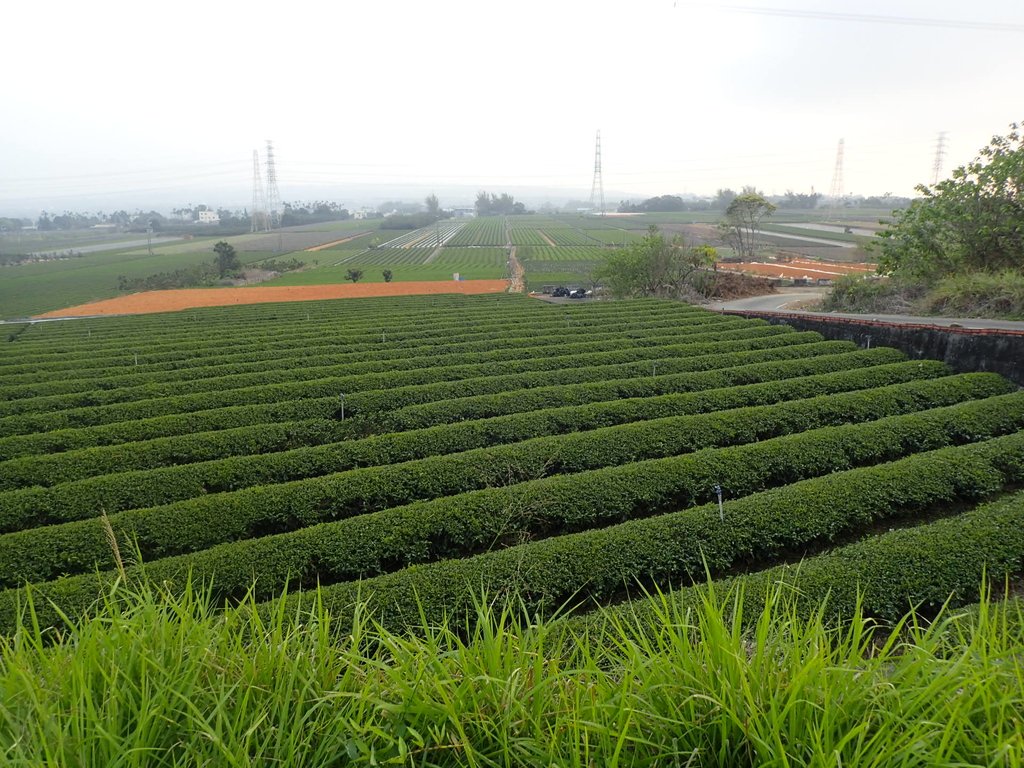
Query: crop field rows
418	450
485	231
433	236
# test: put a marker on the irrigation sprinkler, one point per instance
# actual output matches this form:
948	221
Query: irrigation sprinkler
718	492
136	359
383	337
869	342
342	396
654	369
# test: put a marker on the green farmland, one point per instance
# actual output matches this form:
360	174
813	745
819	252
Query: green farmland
33	288
225	447
420	474
552	250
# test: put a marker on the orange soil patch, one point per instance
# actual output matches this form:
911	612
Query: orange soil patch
336	242
812	269
188	298
844	267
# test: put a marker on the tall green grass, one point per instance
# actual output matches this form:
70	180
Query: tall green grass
160	679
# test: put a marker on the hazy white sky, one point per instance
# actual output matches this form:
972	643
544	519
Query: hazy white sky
108	102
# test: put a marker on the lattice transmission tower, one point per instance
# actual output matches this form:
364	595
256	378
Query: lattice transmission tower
940	156
597	187
274	212
835	195
258	213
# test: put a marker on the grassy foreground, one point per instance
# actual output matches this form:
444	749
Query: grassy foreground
159	679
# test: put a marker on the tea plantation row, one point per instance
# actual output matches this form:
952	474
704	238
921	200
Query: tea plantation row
420	450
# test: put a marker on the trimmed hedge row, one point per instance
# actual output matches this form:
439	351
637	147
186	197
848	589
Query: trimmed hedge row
448	410
231	417
402	382
48	470
598	565
608	494
497	324
174	330
924	564
407	370
525	454
183	450
457	341
921	568
368	358
821	356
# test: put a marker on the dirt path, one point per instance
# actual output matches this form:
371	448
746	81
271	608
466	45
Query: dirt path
434	254
547	239
517	273
189	298
336	242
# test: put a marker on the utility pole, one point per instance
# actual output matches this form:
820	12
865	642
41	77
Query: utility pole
259	202
940	155
597	186
835	195
273	195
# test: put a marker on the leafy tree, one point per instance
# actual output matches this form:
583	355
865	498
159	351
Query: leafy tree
227	259
497	205
970	222
433	206
662	203
743	222
388	275
355	275
724	198
655	266
800	201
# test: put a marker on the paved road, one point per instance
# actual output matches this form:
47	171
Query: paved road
773	302
778	303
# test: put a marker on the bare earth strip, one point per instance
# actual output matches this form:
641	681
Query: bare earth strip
189	298
518	284
802	269
337	242
547	239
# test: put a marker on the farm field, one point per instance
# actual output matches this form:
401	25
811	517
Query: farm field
421	450
31	289
173	300
800	268
405	264
553	250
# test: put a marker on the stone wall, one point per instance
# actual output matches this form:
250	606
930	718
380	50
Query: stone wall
962	349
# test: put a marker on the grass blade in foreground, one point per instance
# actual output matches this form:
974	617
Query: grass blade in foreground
128	688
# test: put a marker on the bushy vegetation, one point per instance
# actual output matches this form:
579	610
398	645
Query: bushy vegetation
958	249
159	678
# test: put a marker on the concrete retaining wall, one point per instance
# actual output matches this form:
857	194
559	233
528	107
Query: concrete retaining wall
962	349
